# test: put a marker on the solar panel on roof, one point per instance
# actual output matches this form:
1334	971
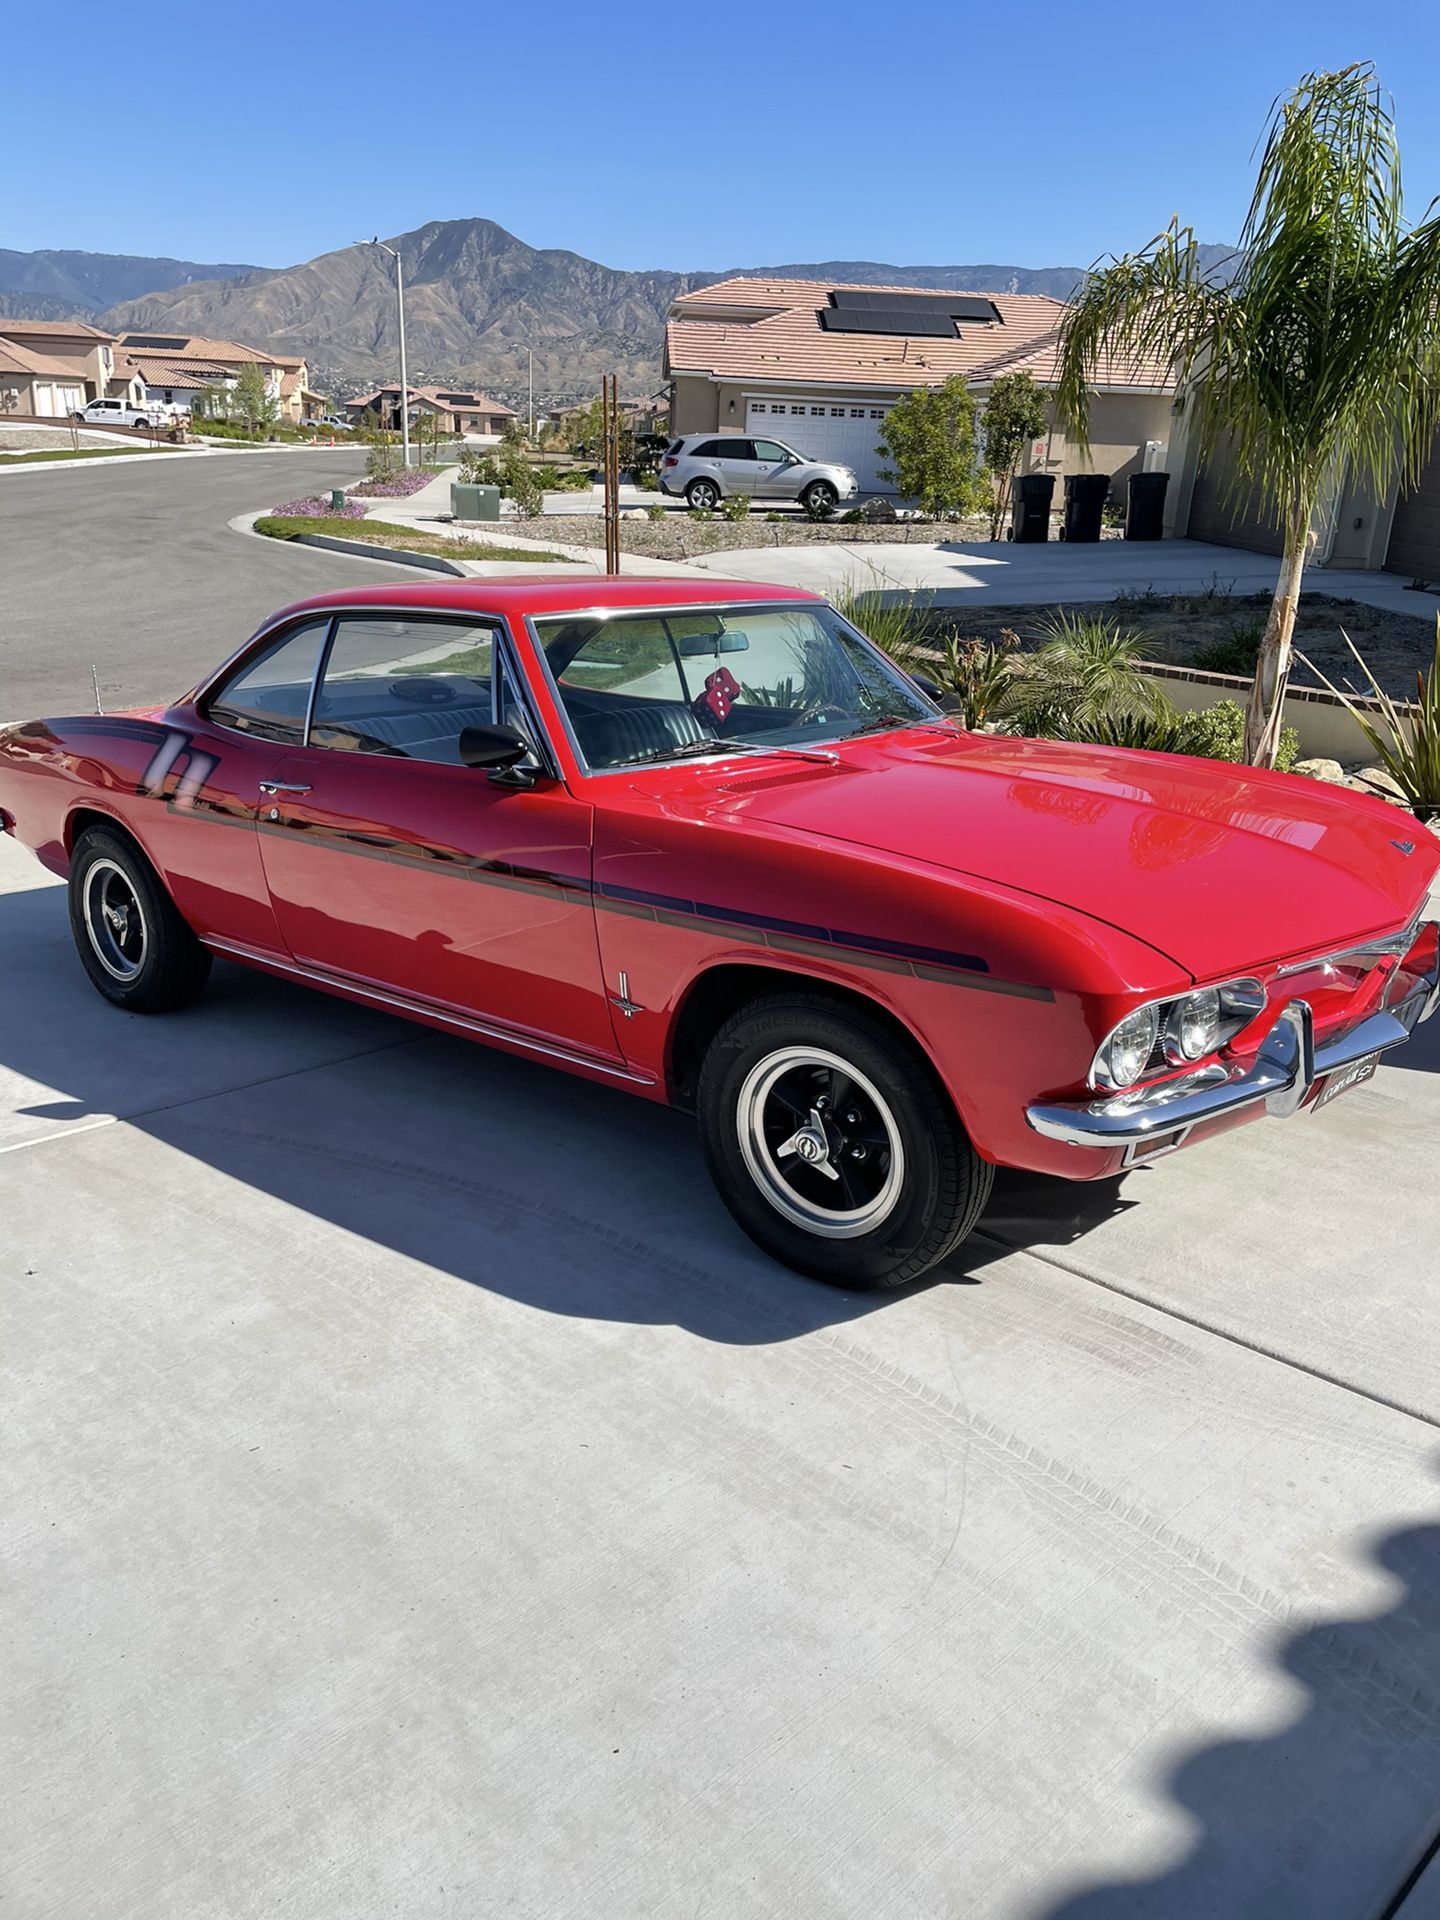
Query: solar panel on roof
159	342
927	326
959	306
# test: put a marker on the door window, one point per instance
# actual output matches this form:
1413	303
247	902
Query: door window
770	450
268	697
731	449
407	688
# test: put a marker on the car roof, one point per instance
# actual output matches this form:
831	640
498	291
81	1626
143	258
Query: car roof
541	593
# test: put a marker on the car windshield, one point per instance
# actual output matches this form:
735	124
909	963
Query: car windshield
651	686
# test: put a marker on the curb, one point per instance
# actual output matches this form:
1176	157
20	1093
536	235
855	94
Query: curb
366	550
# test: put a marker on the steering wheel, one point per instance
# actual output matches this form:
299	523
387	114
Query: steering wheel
424	692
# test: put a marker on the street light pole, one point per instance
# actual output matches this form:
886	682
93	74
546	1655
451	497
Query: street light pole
404	376
532	393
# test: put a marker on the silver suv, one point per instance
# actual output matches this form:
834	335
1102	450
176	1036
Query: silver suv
704	467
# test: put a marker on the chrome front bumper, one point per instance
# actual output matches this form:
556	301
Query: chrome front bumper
1282	1076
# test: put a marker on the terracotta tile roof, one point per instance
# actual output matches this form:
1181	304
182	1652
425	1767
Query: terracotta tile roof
775	336
195	347
177	373
57	329
18	359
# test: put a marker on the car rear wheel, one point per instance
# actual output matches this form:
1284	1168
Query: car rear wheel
703	494
834	1145
819	497
138	951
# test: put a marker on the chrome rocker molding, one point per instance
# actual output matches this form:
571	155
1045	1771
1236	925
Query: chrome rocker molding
1283	1076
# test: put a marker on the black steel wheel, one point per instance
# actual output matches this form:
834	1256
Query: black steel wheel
834	1144
132	941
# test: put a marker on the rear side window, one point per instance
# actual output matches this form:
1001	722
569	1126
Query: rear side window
268	696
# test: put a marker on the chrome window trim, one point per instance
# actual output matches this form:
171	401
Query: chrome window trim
588	772
277	628
256	649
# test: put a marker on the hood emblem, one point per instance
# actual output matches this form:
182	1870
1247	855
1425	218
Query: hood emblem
1405	846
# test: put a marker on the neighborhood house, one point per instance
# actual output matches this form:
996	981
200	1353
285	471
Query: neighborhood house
50	369
819	367
456	410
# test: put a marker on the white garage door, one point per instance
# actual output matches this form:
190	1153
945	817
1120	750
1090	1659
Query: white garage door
58	403
845	433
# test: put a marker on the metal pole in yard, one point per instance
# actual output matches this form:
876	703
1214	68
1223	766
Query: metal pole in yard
531	431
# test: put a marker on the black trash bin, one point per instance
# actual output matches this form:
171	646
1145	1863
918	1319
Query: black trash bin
1085	495
1145	507
1030	498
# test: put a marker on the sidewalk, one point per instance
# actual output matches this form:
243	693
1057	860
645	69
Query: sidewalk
981	573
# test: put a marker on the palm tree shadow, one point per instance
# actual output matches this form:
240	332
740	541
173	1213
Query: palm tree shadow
1336	1815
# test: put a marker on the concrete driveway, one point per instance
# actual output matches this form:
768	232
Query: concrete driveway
423	1501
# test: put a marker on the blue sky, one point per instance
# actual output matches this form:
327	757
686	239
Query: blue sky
1039	132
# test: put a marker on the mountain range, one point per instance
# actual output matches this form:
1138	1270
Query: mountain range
477	301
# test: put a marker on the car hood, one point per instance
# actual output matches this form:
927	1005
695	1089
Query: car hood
1218	867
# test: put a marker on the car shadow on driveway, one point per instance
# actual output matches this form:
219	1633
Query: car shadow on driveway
1375	1675
571	1197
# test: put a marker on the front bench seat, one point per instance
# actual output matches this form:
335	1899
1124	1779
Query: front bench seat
617	734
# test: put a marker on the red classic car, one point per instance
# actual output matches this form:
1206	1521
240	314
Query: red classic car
703	841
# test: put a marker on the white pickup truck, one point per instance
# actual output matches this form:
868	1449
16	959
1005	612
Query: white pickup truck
119	413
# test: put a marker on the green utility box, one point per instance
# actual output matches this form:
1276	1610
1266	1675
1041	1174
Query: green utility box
474	503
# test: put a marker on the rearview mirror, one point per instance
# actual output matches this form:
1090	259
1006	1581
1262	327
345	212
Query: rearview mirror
492	747
695	646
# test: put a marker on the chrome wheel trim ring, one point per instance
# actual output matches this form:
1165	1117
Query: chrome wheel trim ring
828	1223
114	920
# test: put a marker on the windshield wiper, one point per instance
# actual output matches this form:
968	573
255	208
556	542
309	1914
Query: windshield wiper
690	749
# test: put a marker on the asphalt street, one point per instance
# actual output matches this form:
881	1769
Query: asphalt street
131	567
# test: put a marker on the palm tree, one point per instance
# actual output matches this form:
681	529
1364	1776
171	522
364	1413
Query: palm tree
1321	351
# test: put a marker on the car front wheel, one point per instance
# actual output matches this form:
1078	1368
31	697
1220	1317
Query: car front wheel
834	1145
703	494
819	497
132	941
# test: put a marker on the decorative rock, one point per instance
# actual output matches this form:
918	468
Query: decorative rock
1377	780
877	510
634	513
1330	771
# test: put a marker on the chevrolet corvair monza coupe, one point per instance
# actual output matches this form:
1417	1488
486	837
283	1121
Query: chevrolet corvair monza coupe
703	841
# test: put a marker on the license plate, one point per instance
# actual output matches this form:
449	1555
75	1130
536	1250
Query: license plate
1347	1077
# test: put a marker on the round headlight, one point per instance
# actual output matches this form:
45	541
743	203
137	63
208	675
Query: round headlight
1192	1026
1121	1061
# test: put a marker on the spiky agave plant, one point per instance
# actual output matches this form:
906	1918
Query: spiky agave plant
1406	745
1321	351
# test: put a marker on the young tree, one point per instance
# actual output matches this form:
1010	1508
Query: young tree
930	438
1321	352
1014	414
253	400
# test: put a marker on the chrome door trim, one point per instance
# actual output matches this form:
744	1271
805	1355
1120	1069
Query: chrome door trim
461	1023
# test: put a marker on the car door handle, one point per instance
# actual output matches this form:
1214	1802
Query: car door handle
280	786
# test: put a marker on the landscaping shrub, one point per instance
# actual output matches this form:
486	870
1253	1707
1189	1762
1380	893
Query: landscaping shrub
1218	733
702	513
1085	667
317	508
979	674
735	506
1237	653
396	486
655	511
